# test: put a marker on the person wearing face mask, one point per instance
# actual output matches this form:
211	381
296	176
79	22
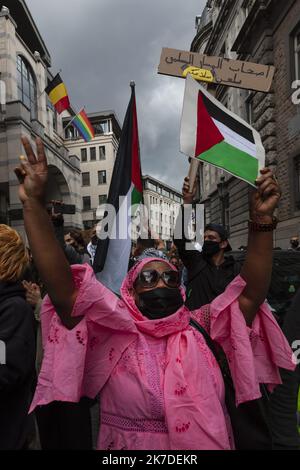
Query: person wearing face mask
294	244
209	272
160	385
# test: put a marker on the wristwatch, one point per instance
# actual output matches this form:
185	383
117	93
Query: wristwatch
257	227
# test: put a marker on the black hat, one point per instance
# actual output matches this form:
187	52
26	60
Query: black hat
221	230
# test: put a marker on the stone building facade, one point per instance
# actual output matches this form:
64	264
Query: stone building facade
97	159
266	32
26	110
163	204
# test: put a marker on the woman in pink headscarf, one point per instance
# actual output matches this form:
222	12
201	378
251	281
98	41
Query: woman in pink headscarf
160	385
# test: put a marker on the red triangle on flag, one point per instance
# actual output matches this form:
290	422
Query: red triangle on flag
208	134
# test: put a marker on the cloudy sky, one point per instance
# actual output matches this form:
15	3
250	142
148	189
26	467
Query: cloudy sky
101	45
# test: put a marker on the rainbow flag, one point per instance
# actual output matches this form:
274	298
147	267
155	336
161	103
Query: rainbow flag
82	123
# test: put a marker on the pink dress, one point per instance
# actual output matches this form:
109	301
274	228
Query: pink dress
160	386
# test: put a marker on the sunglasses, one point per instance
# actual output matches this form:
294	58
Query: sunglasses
150	278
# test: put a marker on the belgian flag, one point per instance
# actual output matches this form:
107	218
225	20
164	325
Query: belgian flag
57	92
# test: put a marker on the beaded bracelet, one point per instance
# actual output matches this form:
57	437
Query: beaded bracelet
257	227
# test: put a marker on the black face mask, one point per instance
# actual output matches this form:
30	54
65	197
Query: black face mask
160	303
210	248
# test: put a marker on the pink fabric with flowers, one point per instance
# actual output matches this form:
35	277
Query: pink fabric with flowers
160	385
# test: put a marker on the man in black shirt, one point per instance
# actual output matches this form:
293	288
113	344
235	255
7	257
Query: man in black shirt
209	272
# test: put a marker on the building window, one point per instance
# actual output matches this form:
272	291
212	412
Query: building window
71	133
102	199
53	113
86	200
102	127
93	154
26	86
84	155
102	152
151	186
54	120
101	177
88	224
296	44
297	181
86	179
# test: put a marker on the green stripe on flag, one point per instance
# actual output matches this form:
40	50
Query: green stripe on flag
233	160
136	198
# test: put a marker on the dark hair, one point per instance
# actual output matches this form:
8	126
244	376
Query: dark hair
145	243
77	236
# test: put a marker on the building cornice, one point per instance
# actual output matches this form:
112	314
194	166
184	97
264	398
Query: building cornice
256	17
27	28
201	37
264	14
33	56
220	25
161	183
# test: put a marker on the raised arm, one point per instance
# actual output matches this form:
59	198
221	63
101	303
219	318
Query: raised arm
47	253
257	268
192	259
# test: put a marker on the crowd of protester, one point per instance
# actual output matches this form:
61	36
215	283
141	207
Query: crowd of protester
156	359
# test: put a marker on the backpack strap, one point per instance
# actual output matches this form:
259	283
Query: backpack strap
218	354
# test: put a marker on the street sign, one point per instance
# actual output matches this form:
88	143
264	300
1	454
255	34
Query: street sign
217	70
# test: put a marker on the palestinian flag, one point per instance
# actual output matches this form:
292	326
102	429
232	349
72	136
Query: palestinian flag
58	95
213	134
112	255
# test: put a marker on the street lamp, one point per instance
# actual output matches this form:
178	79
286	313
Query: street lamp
223	194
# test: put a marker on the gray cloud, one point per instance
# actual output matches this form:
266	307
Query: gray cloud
101	45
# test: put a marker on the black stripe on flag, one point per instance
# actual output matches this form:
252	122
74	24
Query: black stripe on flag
217	113
55	83
121	179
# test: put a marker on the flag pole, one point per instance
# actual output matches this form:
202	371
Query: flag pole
70	123
194	167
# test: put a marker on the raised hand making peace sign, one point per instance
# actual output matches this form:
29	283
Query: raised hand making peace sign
32	172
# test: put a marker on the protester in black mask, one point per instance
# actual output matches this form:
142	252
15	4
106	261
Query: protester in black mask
216	243
294	242
209	272
157	291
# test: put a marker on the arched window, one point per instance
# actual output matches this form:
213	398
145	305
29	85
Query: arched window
27	86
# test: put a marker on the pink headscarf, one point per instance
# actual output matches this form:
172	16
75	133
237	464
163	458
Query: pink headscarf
130	279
